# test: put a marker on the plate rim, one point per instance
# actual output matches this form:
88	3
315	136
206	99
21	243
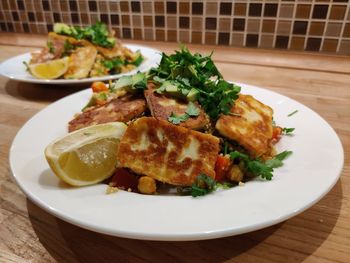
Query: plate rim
180	237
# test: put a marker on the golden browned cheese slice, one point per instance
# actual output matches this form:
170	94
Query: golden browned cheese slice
162	106
250	124
121	109
81	62
166	152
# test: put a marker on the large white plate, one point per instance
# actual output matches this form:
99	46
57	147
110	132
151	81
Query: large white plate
14	68
306	177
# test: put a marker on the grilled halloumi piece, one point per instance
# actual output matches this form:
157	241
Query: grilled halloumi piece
249	124
81	62
121	109
166	152
162	107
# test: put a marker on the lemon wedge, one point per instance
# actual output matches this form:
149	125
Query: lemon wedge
52	69
86	156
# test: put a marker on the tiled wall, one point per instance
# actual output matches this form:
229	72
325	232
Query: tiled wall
316	25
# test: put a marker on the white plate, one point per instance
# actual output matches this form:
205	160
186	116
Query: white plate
14	68
308	174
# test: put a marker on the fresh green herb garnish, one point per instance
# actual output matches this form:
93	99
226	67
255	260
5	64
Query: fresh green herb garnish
191	111
67	48
258	167
203	185
138	60
177	119
292	113
51	47
97	33
187	71
115	63
288	131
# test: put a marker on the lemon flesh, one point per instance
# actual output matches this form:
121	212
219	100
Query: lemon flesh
86	156
50	70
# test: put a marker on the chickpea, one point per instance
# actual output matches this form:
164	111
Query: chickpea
235	173
147	185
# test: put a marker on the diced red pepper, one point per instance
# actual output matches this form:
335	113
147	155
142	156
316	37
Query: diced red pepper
122	178
221	167
99	86
276	133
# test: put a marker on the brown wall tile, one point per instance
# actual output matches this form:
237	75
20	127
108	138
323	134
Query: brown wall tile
266	41
344	47
268	26
253	25
297	43
240	9
148	34
210	38
317	28
136	21
147	7
196	37
159	7
225	24
148	21
184	8
184	36
197	23
286	10
237	39
211	8
337	12
172	35
303	11
330	45
346	32
172	22
284	27
333	29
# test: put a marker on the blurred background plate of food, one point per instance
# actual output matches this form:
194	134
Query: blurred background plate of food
80	55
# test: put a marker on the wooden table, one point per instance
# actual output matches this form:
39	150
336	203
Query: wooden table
320	234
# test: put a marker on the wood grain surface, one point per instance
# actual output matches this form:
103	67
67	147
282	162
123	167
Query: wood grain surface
320	234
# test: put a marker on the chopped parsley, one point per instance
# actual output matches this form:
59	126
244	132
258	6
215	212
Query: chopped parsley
97	33
288	131
187	71
292	113
191	111
51	47
258	167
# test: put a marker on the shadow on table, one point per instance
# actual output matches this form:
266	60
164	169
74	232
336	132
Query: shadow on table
69	243
41	92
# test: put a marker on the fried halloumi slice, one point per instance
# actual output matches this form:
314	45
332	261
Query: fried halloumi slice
121	109
81	62
162	107
249	124
166	152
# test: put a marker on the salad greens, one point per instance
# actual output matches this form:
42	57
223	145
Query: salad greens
97	33
189	71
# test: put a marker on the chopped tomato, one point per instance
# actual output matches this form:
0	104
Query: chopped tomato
99	86
221	167
124	179
276	133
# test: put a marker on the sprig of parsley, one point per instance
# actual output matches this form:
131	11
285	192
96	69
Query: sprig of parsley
258	167
191	111
288	131
188	71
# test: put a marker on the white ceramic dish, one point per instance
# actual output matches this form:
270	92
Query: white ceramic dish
14	68
306	177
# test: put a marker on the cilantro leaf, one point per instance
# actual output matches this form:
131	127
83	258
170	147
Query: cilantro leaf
287	130
193	71
177	119
258	167
203	185
192	109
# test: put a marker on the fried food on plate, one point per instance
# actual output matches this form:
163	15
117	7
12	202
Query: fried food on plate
249	124
166	152
121	109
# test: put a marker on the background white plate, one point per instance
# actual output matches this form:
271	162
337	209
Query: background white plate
14	68
306	177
